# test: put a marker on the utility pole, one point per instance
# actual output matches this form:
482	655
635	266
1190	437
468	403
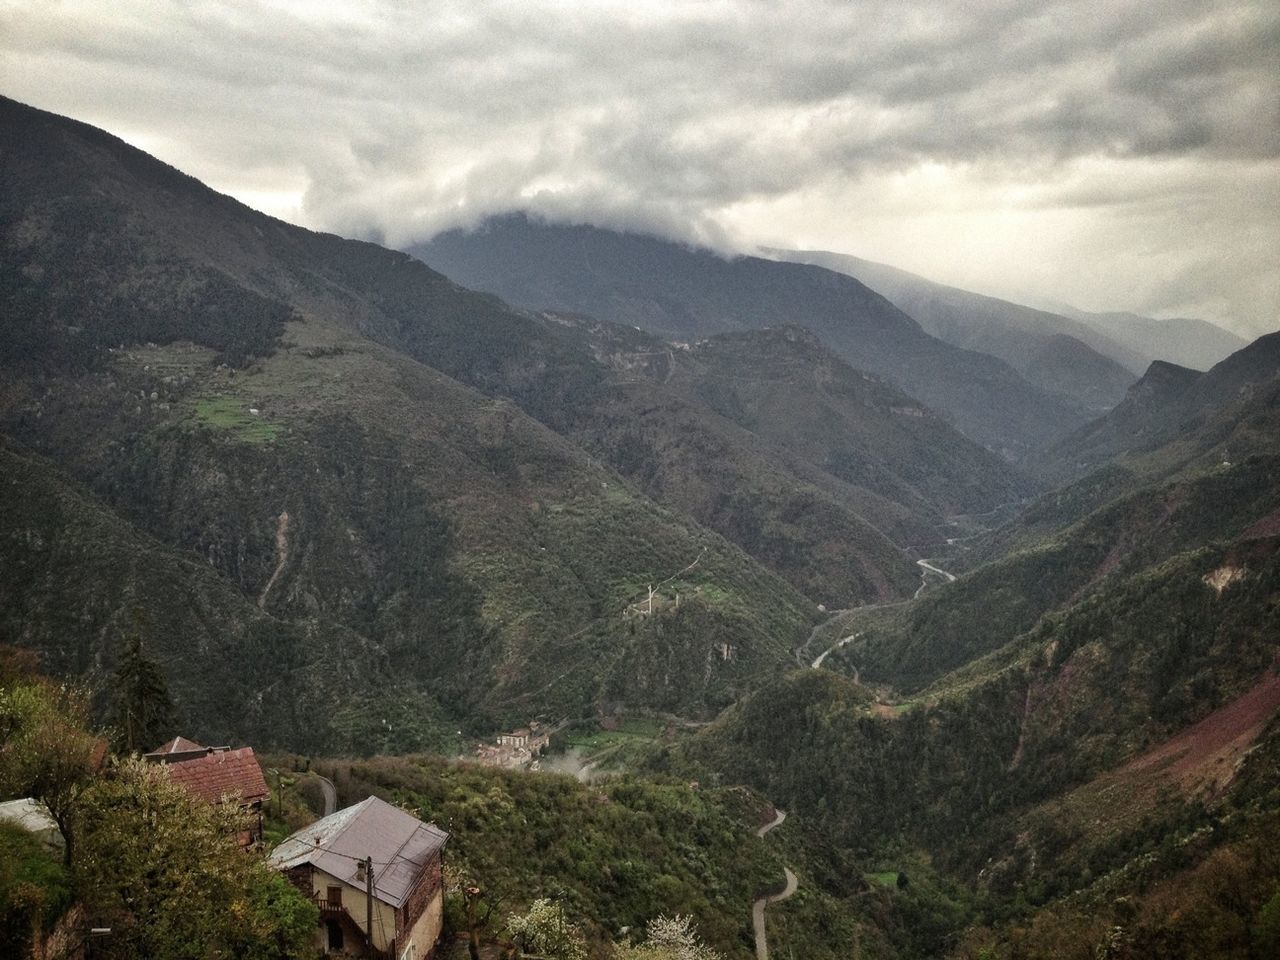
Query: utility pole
368	902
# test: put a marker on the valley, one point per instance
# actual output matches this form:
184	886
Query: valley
603	576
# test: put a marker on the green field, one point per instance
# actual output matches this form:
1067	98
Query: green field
594	739
232	414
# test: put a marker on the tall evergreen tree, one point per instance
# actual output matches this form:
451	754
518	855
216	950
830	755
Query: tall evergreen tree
144	711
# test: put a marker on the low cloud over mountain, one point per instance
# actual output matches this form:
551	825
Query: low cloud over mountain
1112	155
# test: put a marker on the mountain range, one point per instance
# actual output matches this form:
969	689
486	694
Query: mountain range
1003	651
1026	336
478	496
685	294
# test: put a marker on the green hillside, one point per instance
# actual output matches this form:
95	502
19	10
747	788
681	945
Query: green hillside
354	443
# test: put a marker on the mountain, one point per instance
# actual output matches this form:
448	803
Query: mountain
353	507
685	294
376	458
827	475
1190	343
1214	412
1016	332
332	430
1071	731
1056	353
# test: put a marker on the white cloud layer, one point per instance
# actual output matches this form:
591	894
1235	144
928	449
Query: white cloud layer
1110	153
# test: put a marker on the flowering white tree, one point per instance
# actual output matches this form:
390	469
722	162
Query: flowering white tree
546	932
670	938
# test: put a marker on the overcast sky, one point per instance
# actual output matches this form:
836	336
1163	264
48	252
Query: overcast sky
1110	154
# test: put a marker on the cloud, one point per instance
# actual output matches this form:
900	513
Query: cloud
1082	124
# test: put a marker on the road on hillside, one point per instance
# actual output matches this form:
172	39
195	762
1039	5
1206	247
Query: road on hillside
927	568
833	648
330	795
757	908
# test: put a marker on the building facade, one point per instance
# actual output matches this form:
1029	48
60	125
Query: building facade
372	847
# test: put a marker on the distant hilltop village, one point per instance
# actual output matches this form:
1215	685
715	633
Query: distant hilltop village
516	749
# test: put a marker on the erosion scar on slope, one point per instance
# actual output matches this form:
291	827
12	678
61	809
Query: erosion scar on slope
282	555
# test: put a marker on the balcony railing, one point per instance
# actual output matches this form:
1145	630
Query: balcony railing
331	910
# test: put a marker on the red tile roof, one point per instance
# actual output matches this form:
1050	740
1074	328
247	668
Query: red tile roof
223	774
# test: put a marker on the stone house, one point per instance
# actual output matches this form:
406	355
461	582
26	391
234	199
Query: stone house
516	738
328	860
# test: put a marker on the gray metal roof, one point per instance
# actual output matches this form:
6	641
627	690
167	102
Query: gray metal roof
400	845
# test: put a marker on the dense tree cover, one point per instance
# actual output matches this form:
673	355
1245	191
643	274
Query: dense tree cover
991	771
162	869
1220	904
614	855
46	749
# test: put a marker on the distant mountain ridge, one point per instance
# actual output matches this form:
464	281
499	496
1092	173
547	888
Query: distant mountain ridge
1169	402
1187	342
1020	334
685	294
1055	353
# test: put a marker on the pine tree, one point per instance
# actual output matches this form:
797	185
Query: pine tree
144	710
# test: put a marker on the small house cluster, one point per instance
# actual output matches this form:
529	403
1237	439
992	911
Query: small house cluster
515	749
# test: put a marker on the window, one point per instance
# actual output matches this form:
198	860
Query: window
334	896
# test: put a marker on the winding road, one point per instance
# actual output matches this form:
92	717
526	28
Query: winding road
927	568
833	648
757	908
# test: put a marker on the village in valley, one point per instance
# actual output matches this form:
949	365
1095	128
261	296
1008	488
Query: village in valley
518	749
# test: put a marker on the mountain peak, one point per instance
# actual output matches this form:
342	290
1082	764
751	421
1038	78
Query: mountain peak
1163	380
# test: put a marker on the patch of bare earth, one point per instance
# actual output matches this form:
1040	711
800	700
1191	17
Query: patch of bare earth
1199	761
